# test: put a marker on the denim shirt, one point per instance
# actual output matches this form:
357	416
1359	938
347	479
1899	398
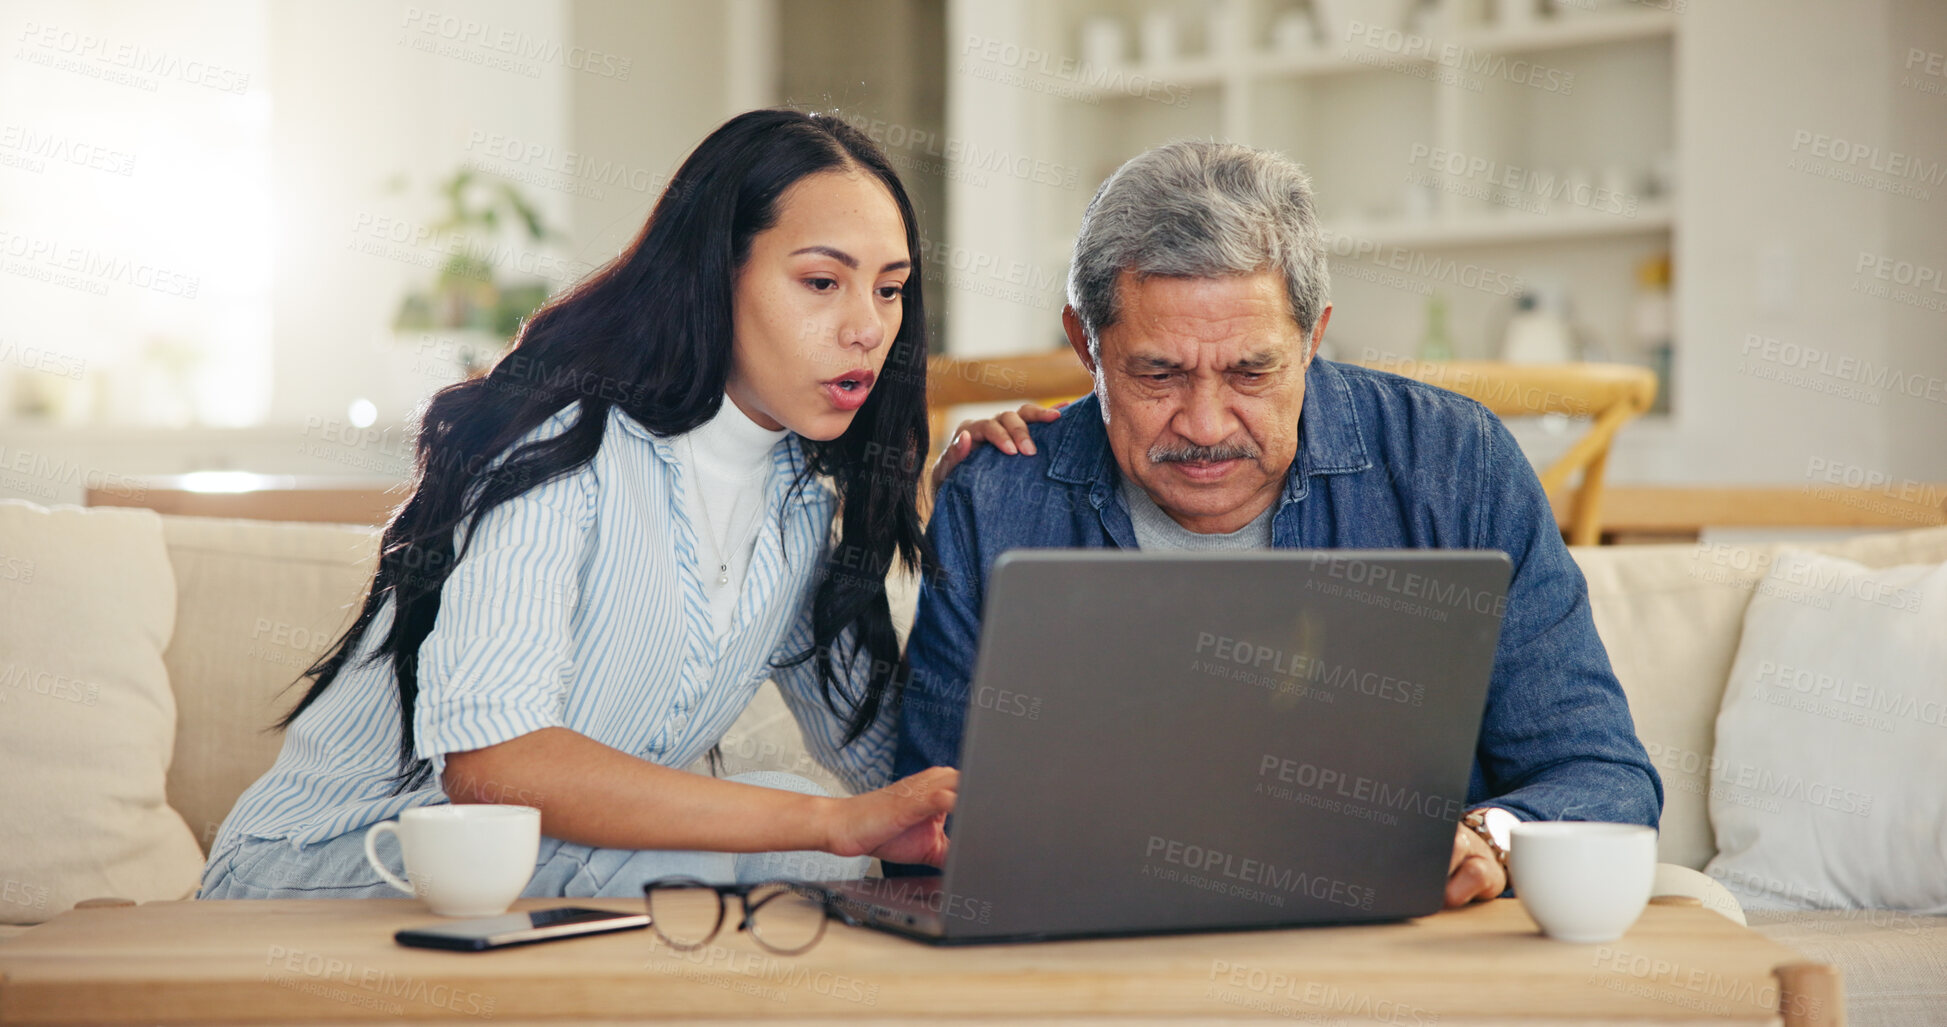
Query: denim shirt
1383	462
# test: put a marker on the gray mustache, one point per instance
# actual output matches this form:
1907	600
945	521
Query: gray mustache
1164	454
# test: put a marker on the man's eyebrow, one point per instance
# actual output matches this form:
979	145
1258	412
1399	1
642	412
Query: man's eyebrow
1254	362
1257	361
848	260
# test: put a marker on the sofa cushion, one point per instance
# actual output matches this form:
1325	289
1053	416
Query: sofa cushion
87	719
257	602
1835	713
1671	617
1894	964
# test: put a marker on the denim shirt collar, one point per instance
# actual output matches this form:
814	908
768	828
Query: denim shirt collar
1329	442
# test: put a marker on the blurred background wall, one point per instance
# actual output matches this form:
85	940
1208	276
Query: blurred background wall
247	235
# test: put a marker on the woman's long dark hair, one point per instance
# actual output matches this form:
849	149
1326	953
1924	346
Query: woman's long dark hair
651	333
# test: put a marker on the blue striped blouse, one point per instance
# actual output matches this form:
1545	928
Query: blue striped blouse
578	604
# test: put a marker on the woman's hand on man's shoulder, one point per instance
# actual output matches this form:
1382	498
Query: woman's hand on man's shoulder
1007	432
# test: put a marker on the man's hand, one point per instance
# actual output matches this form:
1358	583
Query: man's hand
1474	874
1007	432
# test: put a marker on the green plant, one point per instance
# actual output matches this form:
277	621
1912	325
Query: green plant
466	293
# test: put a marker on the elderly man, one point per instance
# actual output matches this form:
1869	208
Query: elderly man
1198	297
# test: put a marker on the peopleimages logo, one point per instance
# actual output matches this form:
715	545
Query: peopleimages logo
1865	695
86	53
939	901
1410	264
568	163
1078	75
46	361
1900	272
65	149
1308	667
1258	873
1892	163
1798	582
964	154
360	984
1518	181
1358	788
511	45
1845	368
759	974
1463	60
39	257
1412	585
1256	988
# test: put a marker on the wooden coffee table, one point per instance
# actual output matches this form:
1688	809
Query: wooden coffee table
335	962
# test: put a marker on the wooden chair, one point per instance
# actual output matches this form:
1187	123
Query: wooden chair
1608	395
1044	378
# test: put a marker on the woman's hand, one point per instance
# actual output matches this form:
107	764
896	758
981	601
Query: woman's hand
1008	432
904	822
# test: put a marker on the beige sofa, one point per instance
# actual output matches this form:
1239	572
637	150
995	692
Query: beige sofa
256	601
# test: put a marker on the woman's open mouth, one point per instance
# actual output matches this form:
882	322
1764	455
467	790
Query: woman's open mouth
848	391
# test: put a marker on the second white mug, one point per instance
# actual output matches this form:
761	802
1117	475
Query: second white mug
1582	881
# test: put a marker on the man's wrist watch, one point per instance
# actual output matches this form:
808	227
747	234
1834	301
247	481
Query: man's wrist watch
1496	827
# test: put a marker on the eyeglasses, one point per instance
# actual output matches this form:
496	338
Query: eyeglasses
783	917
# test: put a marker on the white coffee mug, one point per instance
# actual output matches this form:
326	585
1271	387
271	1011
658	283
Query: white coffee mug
1582	881
470	860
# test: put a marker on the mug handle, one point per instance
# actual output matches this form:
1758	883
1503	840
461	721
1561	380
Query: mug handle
372	853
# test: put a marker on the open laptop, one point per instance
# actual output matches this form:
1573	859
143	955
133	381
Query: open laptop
1162	741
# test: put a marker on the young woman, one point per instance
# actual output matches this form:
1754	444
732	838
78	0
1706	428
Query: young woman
621	531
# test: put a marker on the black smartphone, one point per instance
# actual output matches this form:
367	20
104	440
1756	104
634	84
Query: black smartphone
498	932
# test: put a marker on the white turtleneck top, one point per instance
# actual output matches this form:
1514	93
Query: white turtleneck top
728	460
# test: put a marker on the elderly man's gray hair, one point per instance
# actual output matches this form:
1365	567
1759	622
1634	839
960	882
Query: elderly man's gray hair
1198	210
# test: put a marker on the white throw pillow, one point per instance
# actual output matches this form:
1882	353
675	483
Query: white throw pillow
1829	780
1670	617
87	721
